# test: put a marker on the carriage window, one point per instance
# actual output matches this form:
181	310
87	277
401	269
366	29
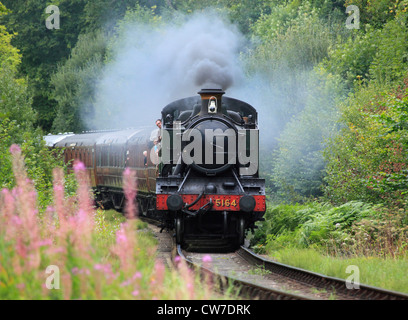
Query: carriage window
114	157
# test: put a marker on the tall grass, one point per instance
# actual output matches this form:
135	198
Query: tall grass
327	239
388	273
352	229
72	252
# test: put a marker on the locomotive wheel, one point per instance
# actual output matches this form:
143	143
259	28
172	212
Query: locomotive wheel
241	231
142	206
106	200
179	230
117	201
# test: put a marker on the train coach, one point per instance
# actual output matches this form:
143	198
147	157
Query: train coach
204	182
106	154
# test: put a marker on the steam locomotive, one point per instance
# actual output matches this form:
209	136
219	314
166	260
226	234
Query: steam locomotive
199	175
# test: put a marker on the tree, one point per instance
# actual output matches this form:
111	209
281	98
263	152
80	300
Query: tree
8	54
298	166
17	123
42	48
293	40
74	82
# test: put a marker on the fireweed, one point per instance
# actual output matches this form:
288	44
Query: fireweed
66	237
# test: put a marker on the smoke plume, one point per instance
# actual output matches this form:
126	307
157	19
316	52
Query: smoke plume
153	67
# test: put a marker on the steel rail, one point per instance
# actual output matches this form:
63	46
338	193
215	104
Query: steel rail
246	289
320	281
362	291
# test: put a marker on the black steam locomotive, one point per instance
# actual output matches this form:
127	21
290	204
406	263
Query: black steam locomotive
198	174
209	185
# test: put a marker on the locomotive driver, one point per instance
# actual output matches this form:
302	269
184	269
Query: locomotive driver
157	146
159	125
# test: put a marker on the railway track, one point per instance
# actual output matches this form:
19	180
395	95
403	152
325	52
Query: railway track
247	289
337	286
259	278
264	279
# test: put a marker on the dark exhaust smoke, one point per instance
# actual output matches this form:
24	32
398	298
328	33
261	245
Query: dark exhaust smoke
153	67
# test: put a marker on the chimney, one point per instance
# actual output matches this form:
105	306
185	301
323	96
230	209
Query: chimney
211	101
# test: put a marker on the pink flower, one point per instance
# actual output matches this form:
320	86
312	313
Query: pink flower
106	269
14	149
125	283
98	266
79	166
44	243
16	220
20	286
121	236
58	188
207	258
127	172
57	250
129	188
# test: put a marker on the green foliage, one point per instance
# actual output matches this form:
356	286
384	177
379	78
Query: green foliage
8	54
279	19
299	100
390	63
15	100
377	12
375	271
285	59
307	118
296	38
242	13
313	225
42	48
372	54
74	81
39	159
298	167
17	120
103	14
367	160
352	59
97	256
138	15
6	139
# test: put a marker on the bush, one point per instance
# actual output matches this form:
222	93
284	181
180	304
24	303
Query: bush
92	262
17	120
298	168
367	161
318	225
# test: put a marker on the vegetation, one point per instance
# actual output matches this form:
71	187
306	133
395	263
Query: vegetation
84	255
374	271
333	106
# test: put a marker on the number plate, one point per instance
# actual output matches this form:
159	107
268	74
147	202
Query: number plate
226	202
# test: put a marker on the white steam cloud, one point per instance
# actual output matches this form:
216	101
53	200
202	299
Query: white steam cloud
152	68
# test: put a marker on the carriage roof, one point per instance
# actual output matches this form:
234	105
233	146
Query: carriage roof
96	137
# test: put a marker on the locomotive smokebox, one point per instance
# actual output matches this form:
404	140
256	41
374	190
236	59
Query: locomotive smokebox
211	101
